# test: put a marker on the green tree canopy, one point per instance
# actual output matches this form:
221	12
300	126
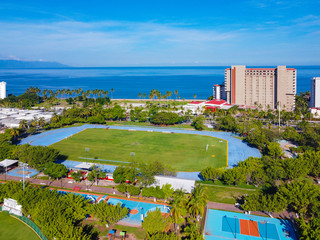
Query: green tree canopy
155	223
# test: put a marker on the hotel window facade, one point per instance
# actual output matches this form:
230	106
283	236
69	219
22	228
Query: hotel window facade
261	86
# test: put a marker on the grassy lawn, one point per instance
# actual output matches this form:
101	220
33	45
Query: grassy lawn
184	152
13	229
226	194
138	232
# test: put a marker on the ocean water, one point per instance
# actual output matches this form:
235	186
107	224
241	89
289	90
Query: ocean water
128	82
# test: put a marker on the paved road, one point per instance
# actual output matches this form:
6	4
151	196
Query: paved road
65	184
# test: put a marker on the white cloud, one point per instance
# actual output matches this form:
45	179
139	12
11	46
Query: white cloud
114	43
85	42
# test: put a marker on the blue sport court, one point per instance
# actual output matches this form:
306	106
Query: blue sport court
18	172
229	225
141	209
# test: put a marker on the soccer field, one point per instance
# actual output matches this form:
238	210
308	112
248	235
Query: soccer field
184	152
13	229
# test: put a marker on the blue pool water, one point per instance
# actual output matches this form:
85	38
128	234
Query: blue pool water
142	207
91	197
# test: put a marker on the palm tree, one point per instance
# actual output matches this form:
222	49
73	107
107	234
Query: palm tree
51	93
86	112
176	93
139	95
144	95
23	124
44	94
164	96
198	201
178	209
41	122
55	118
112	90
106	93
158	94
15	132
151	95
195	96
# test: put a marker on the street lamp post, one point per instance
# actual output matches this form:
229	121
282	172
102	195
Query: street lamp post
23	166
132	155
87	150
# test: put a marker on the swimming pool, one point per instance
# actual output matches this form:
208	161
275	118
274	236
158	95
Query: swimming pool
142	209
91	197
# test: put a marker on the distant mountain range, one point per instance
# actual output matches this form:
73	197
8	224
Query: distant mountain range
30	64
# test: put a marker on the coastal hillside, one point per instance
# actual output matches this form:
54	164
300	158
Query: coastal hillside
30	64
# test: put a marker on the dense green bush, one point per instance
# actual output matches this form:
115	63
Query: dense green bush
122	187
165	118
35	156
197	123
156	192
132	190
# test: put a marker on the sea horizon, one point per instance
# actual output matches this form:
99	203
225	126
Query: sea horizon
129	81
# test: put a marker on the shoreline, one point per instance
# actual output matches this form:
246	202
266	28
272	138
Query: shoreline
154	100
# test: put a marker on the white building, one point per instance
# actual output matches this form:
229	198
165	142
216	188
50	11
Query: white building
315	112
315	92
11	117
3	90
219	92
12	206
185	185
196	107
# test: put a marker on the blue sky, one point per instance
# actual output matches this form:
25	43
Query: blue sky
161	32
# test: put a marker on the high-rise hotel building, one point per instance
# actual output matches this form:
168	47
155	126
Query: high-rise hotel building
3	90
262	86
315	92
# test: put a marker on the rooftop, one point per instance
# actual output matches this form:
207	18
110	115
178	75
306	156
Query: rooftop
196	102
216	102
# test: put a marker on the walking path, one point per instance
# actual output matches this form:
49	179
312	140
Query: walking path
65	183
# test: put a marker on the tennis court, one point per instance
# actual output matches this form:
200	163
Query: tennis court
229	225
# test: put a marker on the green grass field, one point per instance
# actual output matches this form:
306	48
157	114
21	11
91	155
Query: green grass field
184	152
226	194
13	229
